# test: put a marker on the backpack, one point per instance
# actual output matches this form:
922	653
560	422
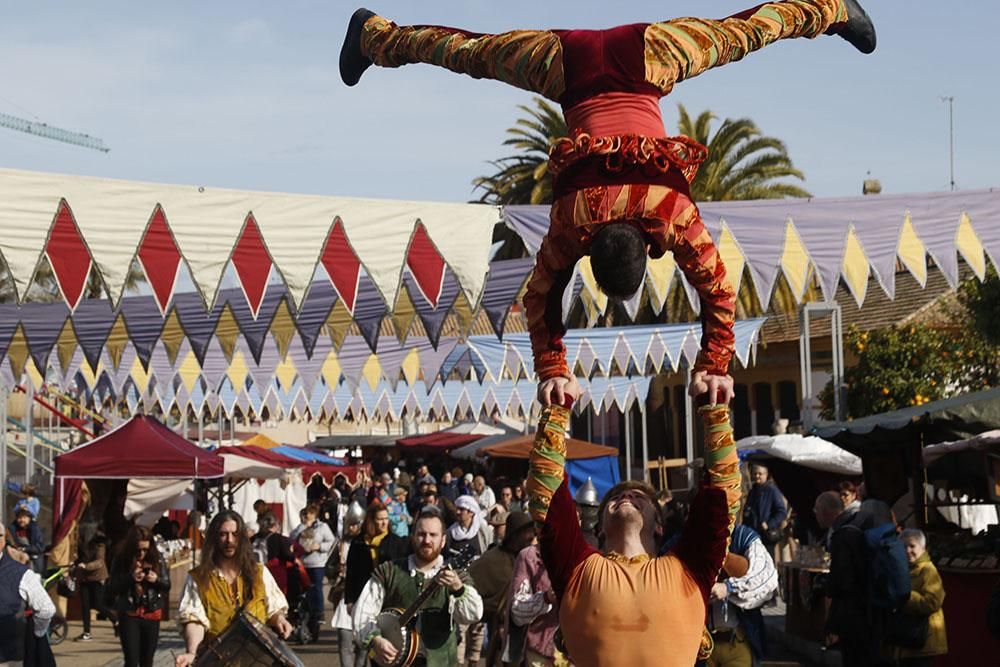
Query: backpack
888	569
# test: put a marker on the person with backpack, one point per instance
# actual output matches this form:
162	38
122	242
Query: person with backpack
847	625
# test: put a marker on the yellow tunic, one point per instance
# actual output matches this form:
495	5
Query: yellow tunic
221	600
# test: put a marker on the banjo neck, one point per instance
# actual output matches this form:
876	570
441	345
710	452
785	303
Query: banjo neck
430	587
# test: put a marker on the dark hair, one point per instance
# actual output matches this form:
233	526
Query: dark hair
246	564
848	486
430	512
128	551
618	259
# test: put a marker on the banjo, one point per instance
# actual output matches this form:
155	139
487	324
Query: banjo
396	625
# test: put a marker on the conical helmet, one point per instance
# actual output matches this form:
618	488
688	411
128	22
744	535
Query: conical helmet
587	495
355	513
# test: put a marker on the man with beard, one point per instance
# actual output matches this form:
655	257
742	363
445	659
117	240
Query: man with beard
228	578
398	583
626	606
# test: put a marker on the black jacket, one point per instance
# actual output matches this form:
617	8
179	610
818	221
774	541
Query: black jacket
127	597
360	566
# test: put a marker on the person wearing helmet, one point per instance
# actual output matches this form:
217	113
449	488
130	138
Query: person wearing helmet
351	655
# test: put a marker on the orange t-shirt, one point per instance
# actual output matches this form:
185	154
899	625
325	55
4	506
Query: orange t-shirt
618	613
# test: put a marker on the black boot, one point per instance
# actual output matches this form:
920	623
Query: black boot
858	29
353	63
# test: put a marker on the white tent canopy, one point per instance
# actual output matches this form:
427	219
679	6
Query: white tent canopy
808	451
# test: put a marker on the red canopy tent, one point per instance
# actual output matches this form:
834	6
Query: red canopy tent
141	448
327	472
441	441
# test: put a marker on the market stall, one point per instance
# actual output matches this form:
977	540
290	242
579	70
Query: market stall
941	460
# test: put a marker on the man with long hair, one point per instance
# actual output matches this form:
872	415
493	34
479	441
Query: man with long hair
621	186
227	579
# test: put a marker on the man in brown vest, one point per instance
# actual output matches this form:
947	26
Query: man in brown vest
227	578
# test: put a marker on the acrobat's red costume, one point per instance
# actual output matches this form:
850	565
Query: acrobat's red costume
618	165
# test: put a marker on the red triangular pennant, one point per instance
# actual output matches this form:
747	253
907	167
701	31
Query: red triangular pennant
426	264
159	258
252	263
342	265
68	255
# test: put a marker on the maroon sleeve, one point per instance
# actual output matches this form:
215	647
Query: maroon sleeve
702	547
561	543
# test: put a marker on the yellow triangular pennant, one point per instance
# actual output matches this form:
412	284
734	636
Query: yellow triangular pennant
912	252
189	371
337	324
172	336
285	372
411	366
659	275
17	352
140	376
66	346
855	267
795	262
403	314
331	370
227	329
372	371
732	257
968	243
117	338
37	377
238	371
282	328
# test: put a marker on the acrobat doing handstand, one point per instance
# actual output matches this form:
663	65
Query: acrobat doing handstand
621	185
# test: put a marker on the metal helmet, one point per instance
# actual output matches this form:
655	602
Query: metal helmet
355	513
587	496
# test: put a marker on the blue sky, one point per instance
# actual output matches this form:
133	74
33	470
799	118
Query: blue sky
247	95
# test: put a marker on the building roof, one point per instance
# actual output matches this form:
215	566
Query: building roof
879	310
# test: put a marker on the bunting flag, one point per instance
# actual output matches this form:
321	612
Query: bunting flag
833	239
459	377
79	224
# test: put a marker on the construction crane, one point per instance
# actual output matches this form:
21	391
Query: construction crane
49	132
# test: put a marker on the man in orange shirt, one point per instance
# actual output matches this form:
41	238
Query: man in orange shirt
625	605
620	184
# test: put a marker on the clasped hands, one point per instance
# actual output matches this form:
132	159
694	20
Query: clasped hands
719	389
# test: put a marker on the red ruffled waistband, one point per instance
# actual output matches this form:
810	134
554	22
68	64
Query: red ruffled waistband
626	152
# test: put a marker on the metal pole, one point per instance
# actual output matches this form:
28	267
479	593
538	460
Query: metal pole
4	393
645	442
805	367
29	432
951	138
628	442
201	429
689	426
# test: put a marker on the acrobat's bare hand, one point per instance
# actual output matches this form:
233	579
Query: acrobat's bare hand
718	387
555	390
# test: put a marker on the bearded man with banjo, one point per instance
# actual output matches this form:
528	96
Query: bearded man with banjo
436	596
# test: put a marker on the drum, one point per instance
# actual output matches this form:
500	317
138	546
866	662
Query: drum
247	643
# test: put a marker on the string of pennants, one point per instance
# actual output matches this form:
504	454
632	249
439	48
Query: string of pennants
829	240
457	375
427	260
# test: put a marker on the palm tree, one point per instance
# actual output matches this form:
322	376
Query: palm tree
523	178
742	162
